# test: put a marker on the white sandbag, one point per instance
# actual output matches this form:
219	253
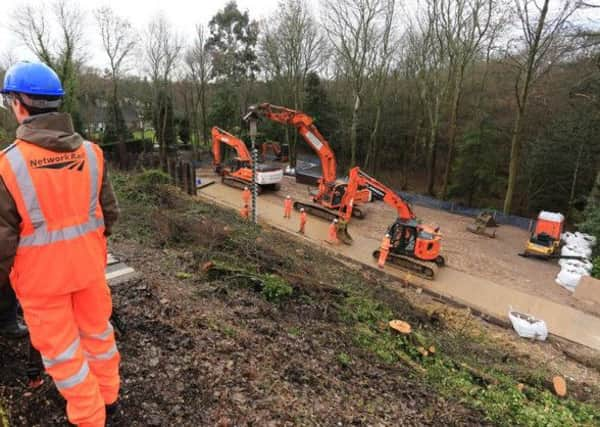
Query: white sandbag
576	250
569	278
576	264
528	326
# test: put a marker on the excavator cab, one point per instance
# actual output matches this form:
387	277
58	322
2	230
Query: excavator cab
416	240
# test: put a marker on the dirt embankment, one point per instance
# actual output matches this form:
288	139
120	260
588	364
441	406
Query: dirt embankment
281	334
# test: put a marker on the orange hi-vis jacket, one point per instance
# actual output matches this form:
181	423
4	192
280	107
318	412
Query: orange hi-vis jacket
61	247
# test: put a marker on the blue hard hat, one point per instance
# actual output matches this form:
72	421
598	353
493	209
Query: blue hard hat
32	78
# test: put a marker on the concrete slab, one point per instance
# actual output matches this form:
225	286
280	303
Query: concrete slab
117	272
480	294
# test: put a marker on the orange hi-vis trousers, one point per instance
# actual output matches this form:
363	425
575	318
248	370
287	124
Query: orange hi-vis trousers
77	343
287	208
332	238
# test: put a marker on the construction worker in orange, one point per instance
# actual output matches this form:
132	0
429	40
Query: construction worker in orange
287	207
246	194
245	212
384	250
57	207
332	236
303	218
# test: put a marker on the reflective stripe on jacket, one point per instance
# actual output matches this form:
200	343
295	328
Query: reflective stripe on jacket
61	246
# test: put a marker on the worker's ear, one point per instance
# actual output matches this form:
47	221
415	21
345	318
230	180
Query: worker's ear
19	109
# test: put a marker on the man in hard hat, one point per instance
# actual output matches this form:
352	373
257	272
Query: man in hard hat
303	218
246	196
287	207
332	234
56	209
384	250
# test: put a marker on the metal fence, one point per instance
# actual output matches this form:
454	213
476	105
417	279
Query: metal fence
309	169
457	208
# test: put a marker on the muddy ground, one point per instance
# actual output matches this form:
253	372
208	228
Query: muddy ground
493	259
210	349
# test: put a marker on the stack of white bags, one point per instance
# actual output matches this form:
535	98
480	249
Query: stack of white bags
571	270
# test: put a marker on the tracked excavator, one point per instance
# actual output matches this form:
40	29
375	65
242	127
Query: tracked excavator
414	246
327	201
238	172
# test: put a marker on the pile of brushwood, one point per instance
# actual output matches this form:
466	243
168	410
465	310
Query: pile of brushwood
232	324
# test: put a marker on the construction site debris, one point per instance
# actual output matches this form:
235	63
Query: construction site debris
528	326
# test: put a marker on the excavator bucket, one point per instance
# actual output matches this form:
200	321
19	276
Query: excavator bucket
481	229
342	232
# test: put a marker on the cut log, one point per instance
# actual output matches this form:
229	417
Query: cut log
400	326
480	375
560	386
431	349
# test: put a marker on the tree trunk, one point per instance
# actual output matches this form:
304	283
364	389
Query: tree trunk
574	181
432	158
515	148
204	114
370	160
354	130
452	133
515	159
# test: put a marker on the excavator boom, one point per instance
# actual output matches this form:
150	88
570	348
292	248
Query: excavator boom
220	136
309	132
359	179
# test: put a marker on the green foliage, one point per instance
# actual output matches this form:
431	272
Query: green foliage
502	404
564	151
163	120
591	223
344	359
116	129
596	268
232	43
142	188
224	108
476	173
275	289
318	106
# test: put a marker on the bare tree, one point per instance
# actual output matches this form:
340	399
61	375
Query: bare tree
352	28
462	28
386	49
57	41
162	50
429	62
118	40
539	48
290	48
199	65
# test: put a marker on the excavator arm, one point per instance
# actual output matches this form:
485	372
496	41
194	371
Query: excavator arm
359	179
220	136
309	132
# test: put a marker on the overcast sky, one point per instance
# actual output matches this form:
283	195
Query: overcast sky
184	14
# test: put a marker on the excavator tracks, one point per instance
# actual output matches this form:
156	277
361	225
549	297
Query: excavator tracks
238	183
425	269
324	213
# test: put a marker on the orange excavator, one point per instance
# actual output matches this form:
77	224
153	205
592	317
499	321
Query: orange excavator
327	201
414	246
238	172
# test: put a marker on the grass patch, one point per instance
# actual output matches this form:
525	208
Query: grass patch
501	402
